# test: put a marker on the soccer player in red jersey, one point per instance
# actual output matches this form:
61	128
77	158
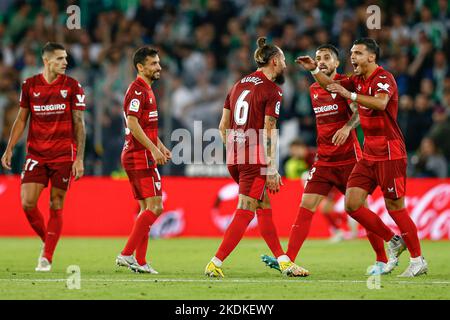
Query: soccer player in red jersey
338	151
384	156
54	103
250	114
141	154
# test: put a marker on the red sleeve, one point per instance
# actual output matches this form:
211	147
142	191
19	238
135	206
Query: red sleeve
383	83
226	105
134	102
273	103
348	83
78	97
24	99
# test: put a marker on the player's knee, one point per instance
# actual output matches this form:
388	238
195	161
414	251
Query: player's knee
56	202
352	204
28	204
394	205
157	209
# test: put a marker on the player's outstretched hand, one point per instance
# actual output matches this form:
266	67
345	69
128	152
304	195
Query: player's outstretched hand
78	169
341	136
340	90
6	159
159	157
306	62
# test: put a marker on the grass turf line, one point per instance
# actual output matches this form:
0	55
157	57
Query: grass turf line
337	272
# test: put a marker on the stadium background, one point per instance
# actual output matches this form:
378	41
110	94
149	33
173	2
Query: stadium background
205	46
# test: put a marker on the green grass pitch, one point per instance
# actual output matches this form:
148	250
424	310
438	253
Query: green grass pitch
337	272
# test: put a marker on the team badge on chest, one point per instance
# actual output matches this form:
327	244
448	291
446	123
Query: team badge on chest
63	93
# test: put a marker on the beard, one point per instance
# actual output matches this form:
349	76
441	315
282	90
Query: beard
155	76
280	79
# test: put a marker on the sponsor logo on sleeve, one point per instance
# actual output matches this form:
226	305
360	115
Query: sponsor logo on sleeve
80	98
277	108
134	105
383	87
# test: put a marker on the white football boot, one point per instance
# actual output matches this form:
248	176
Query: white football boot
43	265
395	248
125	261
376	269
417	267
146	268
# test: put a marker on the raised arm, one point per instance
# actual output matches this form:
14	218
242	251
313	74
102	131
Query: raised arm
80	139
311	65
377	102
16	133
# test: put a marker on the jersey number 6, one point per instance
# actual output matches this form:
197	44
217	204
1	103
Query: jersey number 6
241	109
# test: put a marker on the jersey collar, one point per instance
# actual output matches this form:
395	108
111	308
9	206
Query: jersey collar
375	72
58	78
143	83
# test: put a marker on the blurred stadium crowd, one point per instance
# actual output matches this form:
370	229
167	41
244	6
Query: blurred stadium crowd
206	45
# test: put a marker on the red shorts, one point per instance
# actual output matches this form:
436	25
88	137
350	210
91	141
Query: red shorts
322	179
145	183
390	175
59	173
251	180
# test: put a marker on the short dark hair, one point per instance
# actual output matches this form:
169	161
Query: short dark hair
141	54
330	47
264	52
371	45
52	46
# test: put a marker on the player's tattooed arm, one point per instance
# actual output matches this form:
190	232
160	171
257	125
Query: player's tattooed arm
80	139
16	133
342	134
354	120
270	147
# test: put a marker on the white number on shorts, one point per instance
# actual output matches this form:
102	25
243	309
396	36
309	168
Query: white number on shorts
30	164
241	109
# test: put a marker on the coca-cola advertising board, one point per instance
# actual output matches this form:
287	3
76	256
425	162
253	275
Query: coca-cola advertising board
203	207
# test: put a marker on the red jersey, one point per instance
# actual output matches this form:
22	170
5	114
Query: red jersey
140	102
249	101
332	113
383	139
50	136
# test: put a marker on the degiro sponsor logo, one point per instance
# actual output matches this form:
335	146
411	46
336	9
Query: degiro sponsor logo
331	107
50	107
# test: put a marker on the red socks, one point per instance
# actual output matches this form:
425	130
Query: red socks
299	232
37	222
371	222
378	246
408	230
234	233
141	250
141	227
268	231
54	228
